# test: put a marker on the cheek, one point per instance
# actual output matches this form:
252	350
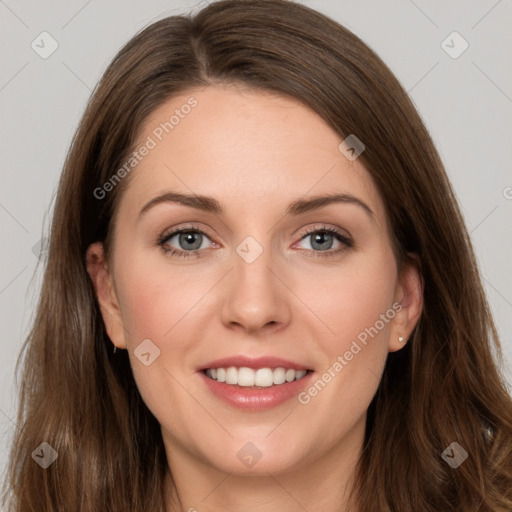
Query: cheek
351	298
356	305
155	305
154	299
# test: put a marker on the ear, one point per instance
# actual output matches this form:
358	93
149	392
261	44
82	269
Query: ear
102	280
409	294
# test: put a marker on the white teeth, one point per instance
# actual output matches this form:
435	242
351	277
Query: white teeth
263	377
247	377
279	376
232	375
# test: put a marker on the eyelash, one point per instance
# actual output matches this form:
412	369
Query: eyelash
163	239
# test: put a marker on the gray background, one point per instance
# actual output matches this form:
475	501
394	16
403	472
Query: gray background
466	103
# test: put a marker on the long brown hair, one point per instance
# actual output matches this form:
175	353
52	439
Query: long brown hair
443	387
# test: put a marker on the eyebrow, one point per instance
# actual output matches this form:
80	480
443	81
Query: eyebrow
297	207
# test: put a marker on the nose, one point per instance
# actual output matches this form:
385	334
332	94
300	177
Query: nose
256	298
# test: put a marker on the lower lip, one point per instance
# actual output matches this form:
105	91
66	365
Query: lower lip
256	399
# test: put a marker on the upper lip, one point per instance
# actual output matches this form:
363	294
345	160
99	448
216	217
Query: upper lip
254	363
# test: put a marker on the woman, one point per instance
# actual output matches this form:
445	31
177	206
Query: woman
254	218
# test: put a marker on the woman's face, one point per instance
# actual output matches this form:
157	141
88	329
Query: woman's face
266	270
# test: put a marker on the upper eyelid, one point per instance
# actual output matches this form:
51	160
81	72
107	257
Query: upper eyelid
175	231
324	227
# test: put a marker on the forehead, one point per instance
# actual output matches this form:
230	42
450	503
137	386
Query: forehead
253	151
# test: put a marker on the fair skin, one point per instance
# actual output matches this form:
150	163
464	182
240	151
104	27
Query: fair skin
254	153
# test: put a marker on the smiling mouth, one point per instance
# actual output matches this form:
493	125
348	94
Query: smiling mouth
260	378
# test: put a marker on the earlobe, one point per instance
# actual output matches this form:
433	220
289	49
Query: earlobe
102	281
409	294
